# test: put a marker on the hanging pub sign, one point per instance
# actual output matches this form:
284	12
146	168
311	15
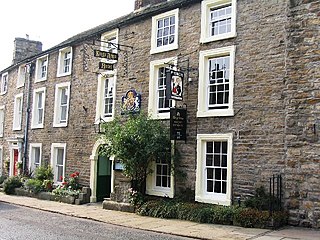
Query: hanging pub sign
174	79
107	55
131	102
178	124
105	66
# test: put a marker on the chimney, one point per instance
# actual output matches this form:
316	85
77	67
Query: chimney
24	48
144	3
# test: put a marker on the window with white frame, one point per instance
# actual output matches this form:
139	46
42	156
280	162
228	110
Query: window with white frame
1	160
4	84
109	41
107	80
65	62
58	159
21	76
105	97
160	181
214	168
216	81
159	105
39	96
35	156
164	35
17	112
218	20
61	105
41	69
2	109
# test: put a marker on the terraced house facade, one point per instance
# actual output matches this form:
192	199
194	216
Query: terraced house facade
251	92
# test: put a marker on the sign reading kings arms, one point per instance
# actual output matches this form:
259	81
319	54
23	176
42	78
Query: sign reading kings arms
107	55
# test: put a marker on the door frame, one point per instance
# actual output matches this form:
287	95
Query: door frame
94	170
15	144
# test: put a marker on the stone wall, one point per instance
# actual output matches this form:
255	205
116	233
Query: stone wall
302	101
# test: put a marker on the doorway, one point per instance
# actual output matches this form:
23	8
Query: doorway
104	171
15	161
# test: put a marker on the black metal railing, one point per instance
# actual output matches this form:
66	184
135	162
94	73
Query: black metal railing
275	193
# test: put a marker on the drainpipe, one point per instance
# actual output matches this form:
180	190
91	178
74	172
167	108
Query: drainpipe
30	68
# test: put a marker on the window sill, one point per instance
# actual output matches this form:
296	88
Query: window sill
207	199
160	192
40	80
3	93
63	74
171	47
56	125
16	129
206	39
216	113
37	126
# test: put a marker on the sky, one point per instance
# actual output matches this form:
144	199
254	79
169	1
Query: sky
52	22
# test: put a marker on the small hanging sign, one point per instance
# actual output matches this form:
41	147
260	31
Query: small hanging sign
131	102
178	124
174	79
107	55
105	66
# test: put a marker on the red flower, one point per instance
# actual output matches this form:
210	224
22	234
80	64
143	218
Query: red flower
64	183
72	175
61	178
77	173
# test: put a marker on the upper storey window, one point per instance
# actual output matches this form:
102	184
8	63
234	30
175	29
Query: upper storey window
164	36
4	84
41	69
218	20
65	62
21	76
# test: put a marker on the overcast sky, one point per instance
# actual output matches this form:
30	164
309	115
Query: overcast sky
52	22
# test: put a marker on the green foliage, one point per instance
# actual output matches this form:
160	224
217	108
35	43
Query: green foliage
137	142
260	200
208	213
34	185
61	191
2	178
70	187
43	173
11	183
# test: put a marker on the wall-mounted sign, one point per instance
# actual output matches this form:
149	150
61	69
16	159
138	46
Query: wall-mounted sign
174	79
131	102
105	66
107	55
117	165
178	124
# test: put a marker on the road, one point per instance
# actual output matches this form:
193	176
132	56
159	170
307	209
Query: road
29	224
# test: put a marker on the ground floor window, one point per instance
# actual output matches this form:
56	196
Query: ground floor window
58	158
35	156
159	182
213	179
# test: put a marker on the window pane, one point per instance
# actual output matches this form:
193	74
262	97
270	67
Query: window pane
60	155
59	173
209	186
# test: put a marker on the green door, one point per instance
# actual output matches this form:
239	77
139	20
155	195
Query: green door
103	178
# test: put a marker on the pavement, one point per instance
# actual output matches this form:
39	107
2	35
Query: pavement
95	212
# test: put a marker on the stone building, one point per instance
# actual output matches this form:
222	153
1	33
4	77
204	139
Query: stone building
251	92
